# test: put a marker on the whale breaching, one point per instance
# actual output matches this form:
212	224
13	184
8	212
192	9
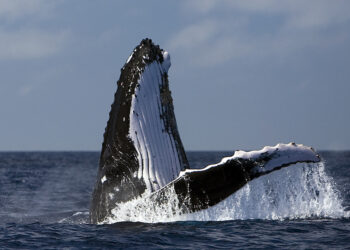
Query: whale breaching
142	152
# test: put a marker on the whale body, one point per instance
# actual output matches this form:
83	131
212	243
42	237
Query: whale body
142	152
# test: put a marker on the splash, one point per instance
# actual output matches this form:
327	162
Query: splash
301	191
145	210
76	218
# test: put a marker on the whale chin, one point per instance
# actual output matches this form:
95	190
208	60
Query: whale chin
142	152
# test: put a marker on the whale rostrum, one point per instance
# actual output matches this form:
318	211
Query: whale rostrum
142	152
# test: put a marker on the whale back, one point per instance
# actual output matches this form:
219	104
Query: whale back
142	150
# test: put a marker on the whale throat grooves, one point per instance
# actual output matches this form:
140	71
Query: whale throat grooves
142	150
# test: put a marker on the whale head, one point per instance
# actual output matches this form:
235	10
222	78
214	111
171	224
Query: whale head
142	150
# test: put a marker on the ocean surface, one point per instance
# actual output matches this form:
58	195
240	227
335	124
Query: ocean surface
45	196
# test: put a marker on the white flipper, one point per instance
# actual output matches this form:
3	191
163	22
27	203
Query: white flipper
269	158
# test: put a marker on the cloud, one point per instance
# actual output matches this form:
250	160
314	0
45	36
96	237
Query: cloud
230	30
202	6
25	90
312	13
212	42
17	9
20	38
30	44
194	35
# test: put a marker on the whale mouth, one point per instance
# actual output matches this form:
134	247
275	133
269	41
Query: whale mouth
142	153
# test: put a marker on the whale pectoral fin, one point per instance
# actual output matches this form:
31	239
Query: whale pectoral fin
198	189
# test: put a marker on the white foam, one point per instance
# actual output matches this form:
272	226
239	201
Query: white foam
303	191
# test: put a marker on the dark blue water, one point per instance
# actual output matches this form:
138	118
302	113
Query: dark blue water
44	202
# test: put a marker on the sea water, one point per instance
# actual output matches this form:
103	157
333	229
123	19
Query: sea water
45	197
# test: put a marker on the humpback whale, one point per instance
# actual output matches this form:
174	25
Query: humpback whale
142	153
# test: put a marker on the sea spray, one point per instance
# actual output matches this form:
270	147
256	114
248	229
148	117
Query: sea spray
144	209
300	191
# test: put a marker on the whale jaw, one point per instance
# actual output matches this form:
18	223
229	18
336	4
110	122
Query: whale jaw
142	150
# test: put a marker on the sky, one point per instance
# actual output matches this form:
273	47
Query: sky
244	74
